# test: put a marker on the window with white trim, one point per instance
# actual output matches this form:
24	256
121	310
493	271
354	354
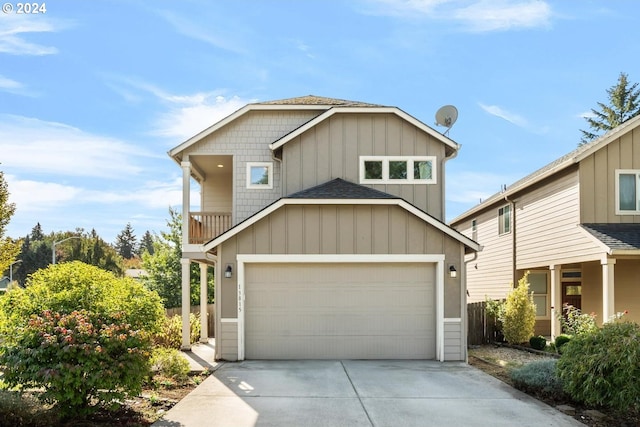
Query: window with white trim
260	175
504	220
539	285
397	170
627	192
474	229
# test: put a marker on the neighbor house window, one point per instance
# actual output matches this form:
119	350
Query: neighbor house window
474	229
260	175
397	170
627	192
504	220
539	285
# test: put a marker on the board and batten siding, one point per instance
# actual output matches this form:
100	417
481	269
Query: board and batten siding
547	229
490	275
332	149
336	229
597	179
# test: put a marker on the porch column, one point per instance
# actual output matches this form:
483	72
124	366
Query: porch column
204	320
186	303
556	301
186	200
608	285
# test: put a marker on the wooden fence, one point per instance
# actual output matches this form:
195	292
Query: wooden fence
482	326
195	309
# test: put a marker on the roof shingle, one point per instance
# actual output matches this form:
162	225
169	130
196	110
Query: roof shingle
340	189
616	236
318	100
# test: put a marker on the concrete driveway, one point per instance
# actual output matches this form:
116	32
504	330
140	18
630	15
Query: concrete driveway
357	393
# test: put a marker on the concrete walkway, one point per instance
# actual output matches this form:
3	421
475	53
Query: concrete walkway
357	393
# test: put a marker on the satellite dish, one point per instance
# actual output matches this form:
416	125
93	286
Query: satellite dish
446	116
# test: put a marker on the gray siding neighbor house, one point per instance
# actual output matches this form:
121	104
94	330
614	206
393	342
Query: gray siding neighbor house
574	224
323	219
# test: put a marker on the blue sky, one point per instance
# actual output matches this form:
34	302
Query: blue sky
94	93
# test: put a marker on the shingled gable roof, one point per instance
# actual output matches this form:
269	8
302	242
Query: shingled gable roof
308	102
341	192
616	237
328	106
569	159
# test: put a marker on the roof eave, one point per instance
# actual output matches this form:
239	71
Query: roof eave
469	244
452	145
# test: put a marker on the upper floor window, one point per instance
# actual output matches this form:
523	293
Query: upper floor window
474	229
627	192
260	175
504	220
397	170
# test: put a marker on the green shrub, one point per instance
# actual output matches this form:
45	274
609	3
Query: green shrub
170	334
561	341
519	317
170	363
538	343
81	360
538	378
71	286
80	333
574	322
603	368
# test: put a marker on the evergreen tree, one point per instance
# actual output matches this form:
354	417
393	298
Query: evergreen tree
126	242
9	249
36	233
146	244
624	104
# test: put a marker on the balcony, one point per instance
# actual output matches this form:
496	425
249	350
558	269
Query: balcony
204	226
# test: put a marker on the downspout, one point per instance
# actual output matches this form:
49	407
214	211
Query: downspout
453	156
512	204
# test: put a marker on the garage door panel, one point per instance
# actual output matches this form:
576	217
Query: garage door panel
339	311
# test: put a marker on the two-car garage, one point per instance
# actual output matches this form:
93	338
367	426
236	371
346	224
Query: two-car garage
335	309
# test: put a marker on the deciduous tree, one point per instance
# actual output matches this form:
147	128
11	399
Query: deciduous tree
9	248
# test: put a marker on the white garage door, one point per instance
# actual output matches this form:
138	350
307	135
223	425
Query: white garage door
340	311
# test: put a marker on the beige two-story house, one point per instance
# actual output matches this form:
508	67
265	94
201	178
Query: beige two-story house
574	224
324	221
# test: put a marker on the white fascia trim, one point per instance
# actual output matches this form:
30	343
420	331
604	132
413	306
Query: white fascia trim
391	110
339	258
398	202
597	241
174	152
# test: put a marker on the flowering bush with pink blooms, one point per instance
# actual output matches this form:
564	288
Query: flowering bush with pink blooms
81	360
79	333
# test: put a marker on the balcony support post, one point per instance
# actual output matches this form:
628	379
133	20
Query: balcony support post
186	198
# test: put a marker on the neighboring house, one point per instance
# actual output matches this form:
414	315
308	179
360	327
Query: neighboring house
324	218
4	284
574	224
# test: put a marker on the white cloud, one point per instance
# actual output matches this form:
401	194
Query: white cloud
207	35
34	145
484	16
8	84
475	15
497	111
14	28
587	115
34	196
183	121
